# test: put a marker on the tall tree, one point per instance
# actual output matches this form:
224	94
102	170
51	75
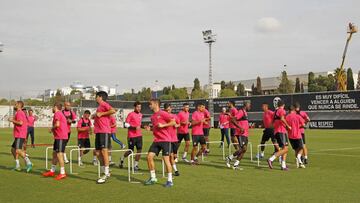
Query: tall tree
196	84
253	89
230	85
240	91
340	78
297	85
350	79
286	85
258	86
173	87
358	82
223	84
302	88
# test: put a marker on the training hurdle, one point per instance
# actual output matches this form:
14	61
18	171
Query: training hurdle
120	150
47	156
251	151
258	151
214	142
145	153
71	164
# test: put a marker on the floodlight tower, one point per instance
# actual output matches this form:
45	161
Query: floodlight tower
351	30
209	38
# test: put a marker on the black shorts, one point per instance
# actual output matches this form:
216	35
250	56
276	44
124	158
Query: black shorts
102	140
268	134
296	143
84	143
164	147
135	142
206	132
196	139
59	145
232	132
174	147
186	137
282	139
243	140
303	138
18	143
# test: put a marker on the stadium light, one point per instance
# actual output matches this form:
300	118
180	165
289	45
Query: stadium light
210	38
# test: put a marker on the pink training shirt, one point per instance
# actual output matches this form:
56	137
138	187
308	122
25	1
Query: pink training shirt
295	122
207	116
233	112
161	134
197	130
268	118
134	119
102	124
31	121
224	120
61	132
20	131
172	130
113	122
279	126
242	117
86	124
304	116
69	115
183	117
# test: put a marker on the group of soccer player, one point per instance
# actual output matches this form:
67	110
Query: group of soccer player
168	130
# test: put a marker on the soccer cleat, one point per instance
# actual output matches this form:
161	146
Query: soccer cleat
81	163
32	146
49	174
284	169
228	162
305	161
95	162
259	156
151	181
18	169
29	168
121	165
302	166
60	176
27	155
136	168
66	161
123	146
270	164
111	163
185	160
177	173
168	184
102	179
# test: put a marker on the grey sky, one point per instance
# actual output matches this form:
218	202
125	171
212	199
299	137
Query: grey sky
50	43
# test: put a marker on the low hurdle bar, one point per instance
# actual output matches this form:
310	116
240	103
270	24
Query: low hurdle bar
47	156
258	151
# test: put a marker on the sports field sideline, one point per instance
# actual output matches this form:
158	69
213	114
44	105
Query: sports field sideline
333	175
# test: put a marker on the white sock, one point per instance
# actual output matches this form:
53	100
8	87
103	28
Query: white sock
27	160
299	158
170	177
283	164
195	158
106	170
305	157
152	174
136	163
62	170
231	156
17	162
80	158
237	162
262	153
272	158
110	158
53	168
174	167
65	157
95	158
184	155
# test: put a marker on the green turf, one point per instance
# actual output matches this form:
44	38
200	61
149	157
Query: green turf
332	176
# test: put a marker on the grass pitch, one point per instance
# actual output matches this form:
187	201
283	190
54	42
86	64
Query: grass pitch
333	175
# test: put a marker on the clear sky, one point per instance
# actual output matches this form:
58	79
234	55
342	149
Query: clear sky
132	43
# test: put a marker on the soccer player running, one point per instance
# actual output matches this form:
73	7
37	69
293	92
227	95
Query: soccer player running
241	122
31	119
206	129
306	119
296	122
280	129
174	139
20	131
224	122
84	130
70	116
102	131
161	121
183	130
135	140
232	113
268	133
60	132
197	122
